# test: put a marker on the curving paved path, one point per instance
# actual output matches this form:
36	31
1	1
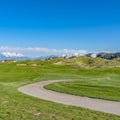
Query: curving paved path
37	90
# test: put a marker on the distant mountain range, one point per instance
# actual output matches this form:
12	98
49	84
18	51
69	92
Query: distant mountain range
47	57
93	55
3	57
14	57
104	55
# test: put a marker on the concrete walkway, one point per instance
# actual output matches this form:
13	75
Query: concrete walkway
37	90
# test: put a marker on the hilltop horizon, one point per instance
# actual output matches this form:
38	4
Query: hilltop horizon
37	52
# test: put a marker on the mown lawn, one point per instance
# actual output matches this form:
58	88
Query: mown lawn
18	106
102	87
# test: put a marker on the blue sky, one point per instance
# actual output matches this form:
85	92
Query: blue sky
42	27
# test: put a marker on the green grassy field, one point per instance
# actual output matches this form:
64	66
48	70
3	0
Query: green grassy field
102	87
18	106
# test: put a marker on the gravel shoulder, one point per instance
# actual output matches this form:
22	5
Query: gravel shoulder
38	90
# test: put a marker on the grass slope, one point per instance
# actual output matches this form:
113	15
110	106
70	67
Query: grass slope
17	106
87	62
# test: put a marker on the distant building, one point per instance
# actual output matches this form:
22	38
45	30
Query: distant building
92	55
104	55
108	56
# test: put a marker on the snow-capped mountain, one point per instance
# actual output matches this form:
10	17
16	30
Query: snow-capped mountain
12	56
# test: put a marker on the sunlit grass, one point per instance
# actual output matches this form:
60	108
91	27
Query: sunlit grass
103	87
18	106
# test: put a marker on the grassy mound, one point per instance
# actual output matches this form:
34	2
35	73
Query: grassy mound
86	62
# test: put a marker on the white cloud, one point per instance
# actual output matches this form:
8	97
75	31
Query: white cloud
37	49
